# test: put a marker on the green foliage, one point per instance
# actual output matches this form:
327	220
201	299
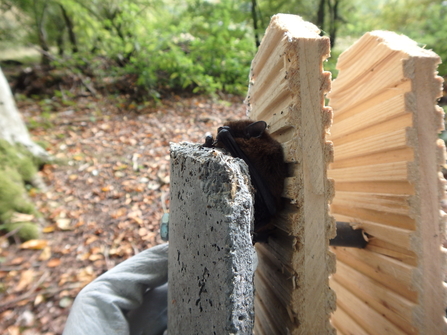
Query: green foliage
422	20
199	46
147	47
443	134
202	50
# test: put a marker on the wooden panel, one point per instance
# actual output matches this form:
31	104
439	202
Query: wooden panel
385	171
345	324
389	304
372	144
361	312
287	87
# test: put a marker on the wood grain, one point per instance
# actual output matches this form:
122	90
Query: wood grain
386	179
287	88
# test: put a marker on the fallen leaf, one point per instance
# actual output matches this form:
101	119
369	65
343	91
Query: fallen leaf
8	314
45	255
79	223
153	185
17	261
139	188
107	188
39	299
26	278
83	256
95	257
64	224
120	167
65	278
20	217
23	302
136	216
86	275
163	175
34	244
65	302
73	177
4	243
150	236
119	213
91	239
114	252
96	250
13	330
54	262
49	229
142	231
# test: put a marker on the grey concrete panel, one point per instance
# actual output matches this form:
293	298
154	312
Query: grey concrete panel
211	257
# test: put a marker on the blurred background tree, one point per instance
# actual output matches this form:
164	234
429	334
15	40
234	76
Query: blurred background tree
151	47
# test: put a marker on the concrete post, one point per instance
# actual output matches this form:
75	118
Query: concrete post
211	257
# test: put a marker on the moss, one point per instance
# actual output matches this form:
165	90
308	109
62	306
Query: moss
12	194
25	230
18	158
17	166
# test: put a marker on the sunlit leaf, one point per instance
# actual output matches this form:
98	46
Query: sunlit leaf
52	263
48	229
64	224
26	278
39	299
45	255
20	217
34	244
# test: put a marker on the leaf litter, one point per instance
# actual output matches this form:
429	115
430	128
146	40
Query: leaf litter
105	198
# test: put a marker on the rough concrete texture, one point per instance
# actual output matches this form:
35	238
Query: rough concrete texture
211	257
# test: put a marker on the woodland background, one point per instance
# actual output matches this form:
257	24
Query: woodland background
150	47
104	86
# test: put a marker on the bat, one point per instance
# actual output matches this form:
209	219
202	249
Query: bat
251	142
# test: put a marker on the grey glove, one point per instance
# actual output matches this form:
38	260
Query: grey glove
129	299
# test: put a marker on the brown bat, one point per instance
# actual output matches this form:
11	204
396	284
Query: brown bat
250	141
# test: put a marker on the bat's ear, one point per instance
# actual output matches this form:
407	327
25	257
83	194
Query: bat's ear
255	129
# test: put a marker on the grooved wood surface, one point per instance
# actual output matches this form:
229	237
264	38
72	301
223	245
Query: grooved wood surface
386	176
287	88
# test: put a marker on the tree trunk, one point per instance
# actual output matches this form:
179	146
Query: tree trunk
321	14
70	27
334	18
41	33
255	21
12	127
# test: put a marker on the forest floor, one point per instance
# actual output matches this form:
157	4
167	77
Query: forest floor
105	196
